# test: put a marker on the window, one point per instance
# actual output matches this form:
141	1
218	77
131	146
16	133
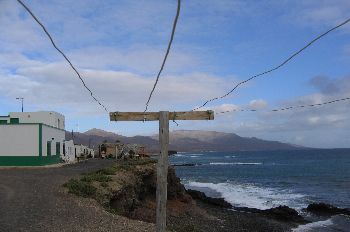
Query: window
3	122
48	148
58	148
14	120
64	149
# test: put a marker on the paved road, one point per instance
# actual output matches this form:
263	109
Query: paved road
34	200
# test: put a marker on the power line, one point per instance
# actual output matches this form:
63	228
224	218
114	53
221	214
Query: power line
61	52
166	54
286	108
276	67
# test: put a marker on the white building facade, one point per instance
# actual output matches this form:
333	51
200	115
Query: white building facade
82	151
68	152
31	138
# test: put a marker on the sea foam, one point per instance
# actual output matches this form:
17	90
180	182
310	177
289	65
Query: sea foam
314	226
335	223
233	163
251	196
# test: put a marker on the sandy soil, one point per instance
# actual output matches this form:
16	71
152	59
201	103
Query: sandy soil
33	199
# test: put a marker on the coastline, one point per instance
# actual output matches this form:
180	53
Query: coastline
128	189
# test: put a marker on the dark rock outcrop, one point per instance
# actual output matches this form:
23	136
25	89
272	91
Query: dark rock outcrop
322	209
284	213
137	198
280	213
197	195
183	165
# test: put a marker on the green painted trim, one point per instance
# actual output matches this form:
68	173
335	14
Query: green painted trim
28	123
40	139
14	120
58	148
28	160
34	123
48	148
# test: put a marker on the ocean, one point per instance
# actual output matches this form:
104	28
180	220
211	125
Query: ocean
266	179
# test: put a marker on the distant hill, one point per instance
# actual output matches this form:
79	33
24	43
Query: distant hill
99	132
194	140
184	140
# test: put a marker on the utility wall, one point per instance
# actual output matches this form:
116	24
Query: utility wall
19	140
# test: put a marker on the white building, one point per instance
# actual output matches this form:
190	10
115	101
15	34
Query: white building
31	138
68	155
79	150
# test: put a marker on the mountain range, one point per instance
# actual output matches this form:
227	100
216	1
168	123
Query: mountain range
184	141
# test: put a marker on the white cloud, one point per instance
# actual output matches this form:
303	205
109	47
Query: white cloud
320	13
56	83
258	104
318	126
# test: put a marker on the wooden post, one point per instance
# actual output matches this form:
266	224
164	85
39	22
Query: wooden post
162	171
162	166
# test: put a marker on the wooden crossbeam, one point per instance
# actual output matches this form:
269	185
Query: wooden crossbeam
154	116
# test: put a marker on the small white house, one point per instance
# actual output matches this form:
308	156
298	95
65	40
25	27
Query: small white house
31	138
68	155
78	150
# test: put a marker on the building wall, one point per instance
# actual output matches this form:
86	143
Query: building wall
25	144
54	135
50	118
69	155
79	150
19	140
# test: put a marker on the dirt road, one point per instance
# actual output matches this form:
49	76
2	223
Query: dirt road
34	200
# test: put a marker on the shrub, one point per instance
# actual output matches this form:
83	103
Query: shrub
104	184
95	176
107	171
80	188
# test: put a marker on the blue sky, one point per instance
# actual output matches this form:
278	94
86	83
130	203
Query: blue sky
118	47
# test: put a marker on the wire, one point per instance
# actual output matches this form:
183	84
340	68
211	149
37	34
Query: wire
166	54
60	51
276	67
287	108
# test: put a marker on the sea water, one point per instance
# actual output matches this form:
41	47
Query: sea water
266	179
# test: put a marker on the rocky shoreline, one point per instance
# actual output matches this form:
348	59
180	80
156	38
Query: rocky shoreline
128	189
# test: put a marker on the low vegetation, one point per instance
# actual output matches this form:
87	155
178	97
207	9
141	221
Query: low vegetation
95	184
80	188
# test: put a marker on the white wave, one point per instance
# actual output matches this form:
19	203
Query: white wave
314	226
179	155
335	223
234	163
194	156
230	156
250	195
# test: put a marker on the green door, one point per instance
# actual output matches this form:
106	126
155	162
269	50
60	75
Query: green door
58	148
48	147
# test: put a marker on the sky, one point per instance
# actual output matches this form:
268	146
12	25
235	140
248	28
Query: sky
118	47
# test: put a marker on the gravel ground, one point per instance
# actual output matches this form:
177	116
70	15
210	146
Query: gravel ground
33	199
217	219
